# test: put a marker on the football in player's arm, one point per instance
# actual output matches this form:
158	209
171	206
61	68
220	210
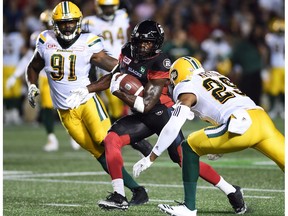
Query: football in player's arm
142	58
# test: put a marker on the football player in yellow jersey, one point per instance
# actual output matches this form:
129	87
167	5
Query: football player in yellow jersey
276	84
112	24
66	55
47	111
13	48
238	124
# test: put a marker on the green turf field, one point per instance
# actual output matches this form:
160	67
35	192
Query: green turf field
71	182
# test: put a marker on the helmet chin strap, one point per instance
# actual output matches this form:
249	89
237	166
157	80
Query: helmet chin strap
68	37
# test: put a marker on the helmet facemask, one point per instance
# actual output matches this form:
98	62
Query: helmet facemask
107	12
70	31
143	49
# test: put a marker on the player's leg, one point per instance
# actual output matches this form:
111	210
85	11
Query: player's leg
128	129
200	143
143	146
11	98
272	142
206	171
47	115
276	88
115	106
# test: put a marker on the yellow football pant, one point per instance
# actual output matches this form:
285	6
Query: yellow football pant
276	85
87	125
114	104
45	97
15	90
262	135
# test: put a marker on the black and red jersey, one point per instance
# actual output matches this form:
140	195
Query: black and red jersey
156	67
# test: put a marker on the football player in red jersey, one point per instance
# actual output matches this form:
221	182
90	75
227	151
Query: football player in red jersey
142	58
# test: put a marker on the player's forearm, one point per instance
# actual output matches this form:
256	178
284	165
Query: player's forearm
171	129
102	84
31	76
104	61
166	137
126	98
33	69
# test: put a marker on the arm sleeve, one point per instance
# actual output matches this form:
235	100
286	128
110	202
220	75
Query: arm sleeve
171	129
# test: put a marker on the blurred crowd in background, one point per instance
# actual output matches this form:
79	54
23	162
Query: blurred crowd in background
243	39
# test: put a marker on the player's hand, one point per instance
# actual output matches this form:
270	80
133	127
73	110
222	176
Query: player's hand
115	81
214	156
141	165
77	96
10	82
33	91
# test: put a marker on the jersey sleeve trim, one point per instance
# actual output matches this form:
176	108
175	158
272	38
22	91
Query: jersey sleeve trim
93	41
42	39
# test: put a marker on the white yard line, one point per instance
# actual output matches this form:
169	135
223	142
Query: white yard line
31	177
150	200
62	204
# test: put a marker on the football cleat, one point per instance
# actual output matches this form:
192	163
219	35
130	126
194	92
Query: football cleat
114	201
237	201
139	197
74	144
180	210
52	143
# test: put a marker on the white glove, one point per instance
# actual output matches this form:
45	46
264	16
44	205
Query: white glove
33	91
141	165
77	97
115	81
214	156
10	82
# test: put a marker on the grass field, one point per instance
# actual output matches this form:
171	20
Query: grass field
68	182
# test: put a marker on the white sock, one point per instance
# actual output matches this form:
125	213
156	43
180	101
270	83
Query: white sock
118	186
225	186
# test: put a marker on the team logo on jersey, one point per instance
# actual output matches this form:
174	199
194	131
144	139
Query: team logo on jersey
167	63
174	74
126	60
142	69
159	113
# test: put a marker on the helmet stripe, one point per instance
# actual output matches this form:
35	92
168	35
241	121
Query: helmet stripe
195	64
65	8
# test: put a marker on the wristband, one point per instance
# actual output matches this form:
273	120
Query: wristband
139	104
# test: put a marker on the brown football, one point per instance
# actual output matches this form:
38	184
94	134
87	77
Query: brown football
131	85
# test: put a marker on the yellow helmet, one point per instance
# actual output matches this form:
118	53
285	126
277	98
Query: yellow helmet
183	68
107	8
66	11
46	18
277	25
